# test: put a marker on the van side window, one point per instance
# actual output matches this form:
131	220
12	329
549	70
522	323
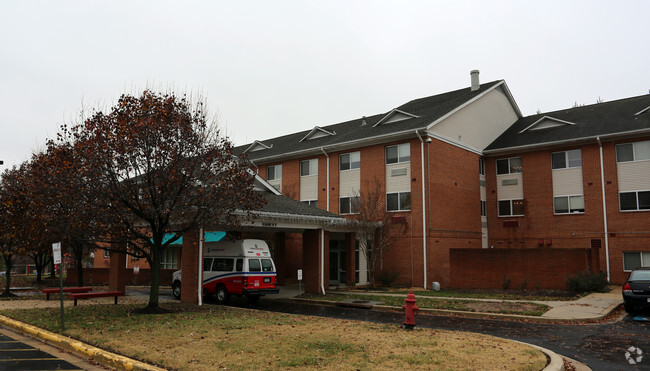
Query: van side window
254	265
239	265
267	266
222	265
207	264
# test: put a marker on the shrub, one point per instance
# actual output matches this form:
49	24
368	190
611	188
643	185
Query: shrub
588	282
386	278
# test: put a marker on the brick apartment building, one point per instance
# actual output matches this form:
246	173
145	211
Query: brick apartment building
486	195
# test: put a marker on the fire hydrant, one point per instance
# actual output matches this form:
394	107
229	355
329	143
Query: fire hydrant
410	307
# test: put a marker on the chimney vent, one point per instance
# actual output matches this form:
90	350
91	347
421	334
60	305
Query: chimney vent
475	82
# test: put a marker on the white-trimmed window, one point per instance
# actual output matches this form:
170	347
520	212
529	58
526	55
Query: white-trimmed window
566	159
481	166
635	259
634	201
510	165
569	204
350	161
274	172
511	207
399	201
483	208
169	258
107	254
309	167
629	152
399	153
310	202
349	205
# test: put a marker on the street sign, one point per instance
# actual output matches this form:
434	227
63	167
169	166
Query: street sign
56	252
136	270
299	274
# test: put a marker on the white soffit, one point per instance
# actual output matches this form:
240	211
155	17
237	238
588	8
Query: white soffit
546	122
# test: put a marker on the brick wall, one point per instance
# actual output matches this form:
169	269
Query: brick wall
545	268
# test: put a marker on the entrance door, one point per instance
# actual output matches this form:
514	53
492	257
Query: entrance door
337	263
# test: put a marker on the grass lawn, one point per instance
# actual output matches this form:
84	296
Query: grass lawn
537	295
217	337
527	309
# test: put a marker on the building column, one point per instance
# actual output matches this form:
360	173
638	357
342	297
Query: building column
279	257
190	266
117	270
350	259
315	268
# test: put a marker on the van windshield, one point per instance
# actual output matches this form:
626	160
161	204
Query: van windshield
254	265
267	266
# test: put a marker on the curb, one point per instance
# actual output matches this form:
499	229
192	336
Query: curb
555	364
83	350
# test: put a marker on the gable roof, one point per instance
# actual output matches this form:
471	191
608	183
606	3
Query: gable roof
365	130
615	119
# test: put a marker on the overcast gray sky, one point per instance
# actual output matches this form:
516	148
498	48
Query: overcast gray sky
269	68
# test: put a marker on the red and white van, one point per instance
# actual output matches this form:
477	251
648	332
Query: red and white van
240	267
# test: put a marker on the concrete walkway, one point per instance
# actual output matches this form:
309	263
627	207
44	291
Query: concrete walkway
592	307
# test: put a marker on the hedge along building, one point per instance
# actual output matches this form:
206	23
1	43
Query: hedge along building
424	156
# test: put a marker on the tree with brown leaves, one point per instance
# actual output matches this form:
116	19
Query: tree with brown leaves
158	166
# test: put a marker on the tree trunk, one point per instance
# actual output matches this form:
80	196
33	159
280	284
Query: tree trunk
155	277
80	272
8	266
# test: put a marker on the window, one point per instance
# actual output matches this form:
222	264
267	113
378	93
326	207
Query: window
509	165
635	259
398	153
239	265
349	205
483	208
310	202
274	172
267	266
207	264
569	204
222	265
481	166
107	254
254	265
309	167
566	159
398	201
637	151
511	208
169	258
634	201
350	161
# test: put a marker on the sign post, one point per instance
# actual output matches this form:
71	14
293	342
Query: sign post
56	255
136	271
299	282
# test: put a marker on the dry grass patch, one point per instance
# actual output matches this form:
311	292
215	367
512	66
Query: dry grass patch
215	337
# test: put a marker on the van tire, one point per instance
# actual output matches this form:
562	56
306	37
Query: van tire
222	295
176	290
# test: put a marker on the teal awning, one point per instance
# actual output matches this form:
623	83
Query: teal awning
207	237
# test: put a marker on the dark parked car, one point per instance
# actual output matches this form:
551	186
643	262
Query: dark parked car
636	290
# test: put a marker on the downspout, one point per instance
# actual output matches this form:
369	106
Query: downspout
327	172
424	212
257	169
200	266
322	260
602	185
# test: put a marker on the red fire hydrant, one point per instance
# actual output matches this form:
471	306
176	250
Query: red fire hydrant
410	308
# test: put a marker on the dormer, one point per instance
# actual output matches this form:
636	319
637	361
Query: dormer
395	116
257	146
546	122
645	110
317	132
